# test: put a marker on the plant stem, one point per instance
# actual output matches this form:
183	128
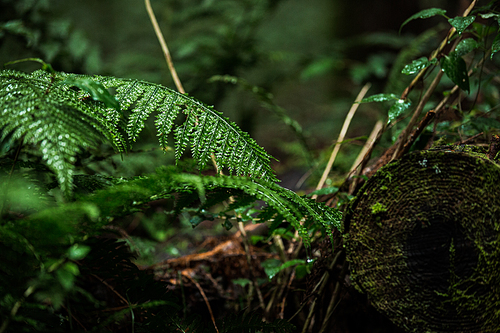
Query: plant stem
342	134
164	47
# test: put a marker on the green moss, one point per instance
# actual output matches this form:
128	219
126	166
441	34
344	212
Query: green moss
378	208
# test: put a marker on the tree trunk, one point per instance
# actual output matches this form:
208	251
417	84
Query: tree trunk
423	241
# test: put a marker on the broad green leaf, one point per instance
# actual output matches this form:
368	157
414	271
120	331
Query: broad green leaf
398	109
274	266
78	251
456	69
466	46
461	23
417	65
95	89
495	47
271	267
380	98
426	13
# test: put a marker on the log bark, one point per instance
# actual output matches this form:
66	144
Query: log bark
423	240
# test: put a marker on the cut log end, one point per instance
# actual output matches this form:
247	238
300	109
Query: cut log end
423	241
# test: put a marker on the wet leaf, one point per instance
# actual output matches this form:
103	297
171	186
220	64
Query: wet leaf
398	109
426	13
78	251
271	267
417	65
466	46
456	69
461	23
96	91
324	191
380	98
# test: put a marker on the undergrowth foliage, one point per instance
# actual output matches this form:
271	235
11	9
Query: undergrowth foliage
50	118
45	109
65	260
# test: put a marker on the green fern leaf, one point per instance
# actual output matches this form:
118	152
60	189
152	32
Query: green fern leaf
62	114
204	129
52	117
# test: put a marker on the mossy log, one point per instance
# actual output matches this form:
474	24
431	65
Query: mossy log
423	241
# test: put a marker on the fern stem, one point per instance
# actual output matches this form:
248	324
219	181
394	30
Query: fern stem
342	134
204	298
164	47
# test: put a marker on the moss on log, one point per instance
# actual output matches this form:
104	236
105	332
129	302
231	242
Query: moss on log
423	241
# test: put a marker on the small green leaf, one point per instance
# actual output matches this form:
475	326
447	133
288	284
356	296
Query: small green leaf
241	282
456	69
495	47
319	67
96	90
292	263
461	23
227	225
324	191
398	109
66	275
417	65
426	13
196	220
489	15
78	252
465	46
271	267
380	98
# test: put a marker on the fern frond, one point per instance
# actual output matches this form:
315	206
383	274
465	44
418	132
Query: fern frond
60	115
204	129
167	181
52	117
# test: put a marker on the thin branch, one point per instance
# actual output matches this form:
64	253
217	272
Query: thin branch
404	135
204	298
164	47
342	134
335	298
402	140
248	255
373	135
